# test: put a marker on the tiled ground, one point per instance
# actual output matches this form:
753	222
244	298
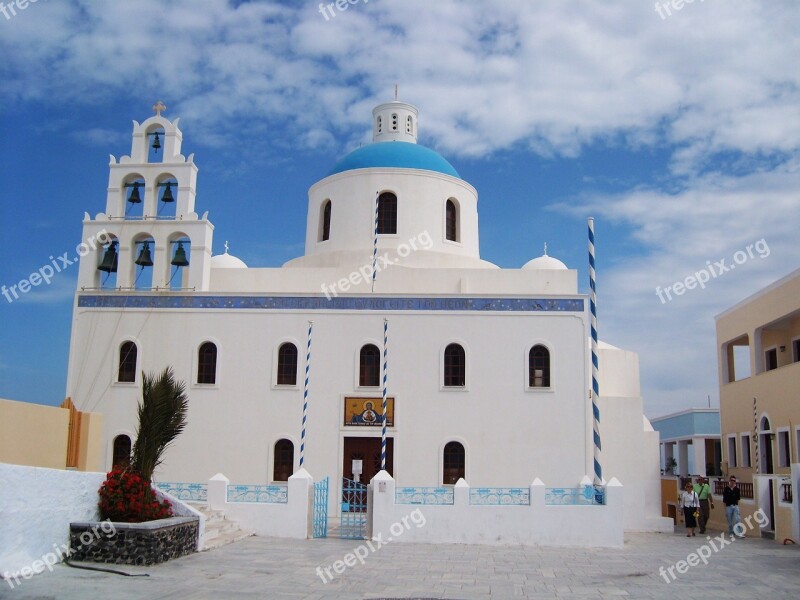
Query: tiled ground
277	568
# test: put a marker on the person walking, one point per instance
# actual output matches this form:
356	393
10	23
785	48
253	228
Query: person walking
731	496
690	504
703	491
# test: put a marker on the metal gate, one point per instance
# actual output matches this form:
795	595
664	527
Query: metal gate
320	512
354	510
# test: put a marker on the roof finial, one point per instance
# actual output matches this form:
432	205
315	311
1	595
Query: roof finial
226	246
395	91
158	107
545	248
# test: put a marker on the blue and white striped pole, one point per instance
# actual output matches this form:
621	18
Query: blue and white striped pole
375	245
305	396
598	471
385	382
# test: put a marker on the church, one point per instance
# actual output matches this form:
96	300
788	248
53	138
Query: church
486	372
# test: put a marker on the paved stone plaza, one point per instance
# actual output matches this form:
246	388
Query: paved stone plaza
279	568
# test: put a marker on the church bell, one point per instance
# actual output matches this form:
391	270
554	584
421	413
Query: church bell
156	142
135	198
180	259
168	197
110	259
144	259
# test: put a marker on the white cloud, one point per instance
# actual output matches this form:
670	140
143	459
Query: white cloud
711	219
489	74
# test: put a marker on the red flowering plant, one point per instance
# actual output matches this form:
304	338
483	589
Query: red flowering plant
125	497
127	494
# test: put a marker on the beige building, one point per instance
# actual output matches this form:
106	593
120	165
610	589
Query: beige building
50	436
758	342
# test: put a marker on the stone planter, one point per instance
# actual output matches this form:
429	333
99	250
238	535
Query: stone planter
146	543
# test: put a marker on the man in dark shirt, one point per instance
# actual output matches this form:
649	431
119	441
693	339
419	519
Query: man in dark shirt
730	497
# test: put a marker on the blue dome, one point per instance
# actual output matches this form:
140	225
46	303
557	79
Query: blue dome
404	155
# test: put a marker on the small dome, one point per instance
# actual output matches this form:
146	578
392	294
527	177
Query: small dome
403	155
545	262
227	261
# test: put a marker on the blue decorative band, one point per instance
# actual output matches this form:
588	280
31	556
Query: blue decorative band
363	303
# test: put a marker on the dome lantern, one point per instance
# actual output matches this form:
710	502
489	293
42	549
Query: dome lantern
394	122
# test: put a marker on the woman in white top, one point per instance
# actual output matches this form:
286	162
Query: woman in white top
690	504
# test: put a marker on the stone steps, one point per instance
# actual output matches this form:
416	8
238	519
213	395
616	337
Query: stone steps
219	530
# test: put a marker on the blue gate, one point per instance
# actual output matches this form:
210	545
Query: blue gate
354	510
320	512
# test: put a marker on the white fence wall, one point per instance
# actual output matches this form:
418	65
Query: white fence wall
291	519
534	524
36	507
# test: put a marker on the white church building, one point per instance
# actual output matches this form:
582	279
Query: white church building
489	369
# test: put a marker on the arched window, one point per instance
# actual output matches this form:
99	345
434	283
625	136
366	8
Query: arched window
387	213
453	464
287	364
451	221
539	367
127	363
122	451
207	363
326	221
455	366
369	366
283	461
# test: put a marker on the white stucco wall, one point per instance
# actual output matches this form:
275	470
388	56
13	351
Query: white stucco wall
289	520
503	424
630	446
461	523
36	508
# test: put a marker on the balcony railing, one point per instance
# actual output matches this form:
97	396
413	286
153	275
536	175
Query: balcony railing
786	492
745	489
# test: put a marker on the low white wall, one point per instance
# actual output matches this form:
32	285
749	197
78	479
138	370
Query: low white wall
535	525
36	508
290	520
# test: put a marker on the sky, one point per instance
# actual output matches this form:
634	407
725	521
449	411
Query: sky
678	130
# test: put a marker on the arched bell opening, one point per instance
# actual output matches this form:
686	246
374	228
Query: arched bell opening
155	144
107	263
167	195
143	250
133	190
179	255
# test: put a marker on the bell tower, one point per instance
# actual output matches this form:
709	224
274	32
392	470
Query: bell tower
149	238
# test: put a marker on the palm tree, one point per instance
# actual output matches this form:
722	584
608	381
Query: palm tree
162	417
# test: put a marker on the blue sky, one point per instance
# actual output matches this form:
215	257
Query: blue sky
678	134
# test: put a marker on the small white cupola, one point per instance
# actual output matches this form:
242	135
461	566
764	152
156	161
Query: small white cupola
394	122
545	263
227	261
